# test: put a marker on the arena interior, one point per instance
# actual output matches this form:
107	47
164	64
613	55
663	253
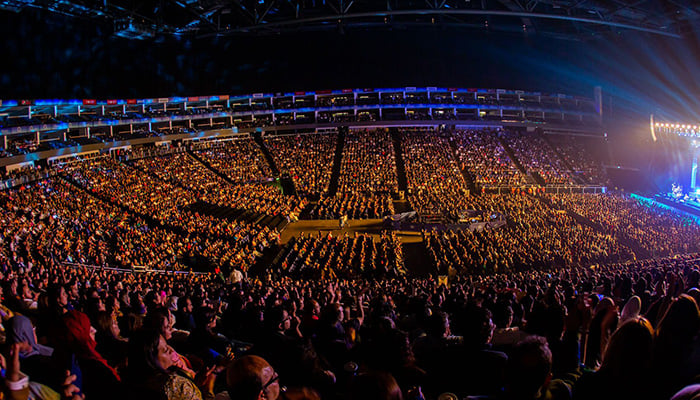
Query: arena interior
524	223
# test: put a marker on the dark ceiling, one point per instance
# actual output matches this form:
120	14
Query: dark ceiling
212	47
577	19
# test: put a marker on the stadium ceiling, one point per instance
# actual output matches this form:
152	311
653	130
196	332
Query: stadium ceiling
571	19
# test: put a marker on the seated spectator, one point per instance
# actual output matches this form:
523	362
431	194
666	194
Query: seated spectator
185	319
35	358
152	372
375	386
97	377
250	378
529	373
626	369
674	343
109	341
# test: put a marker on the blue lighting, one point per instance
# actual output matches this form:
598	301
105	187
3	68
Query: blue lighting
653	203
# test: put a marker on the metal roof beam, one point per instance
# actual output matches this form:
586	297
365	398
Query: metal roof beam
451	12
514	5
196	14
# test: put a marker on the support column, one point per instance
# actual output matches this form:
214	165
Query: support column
150	127
65	135
170	123
211	122
79	110
87	131
4	141
55	111
38	137
131	128
111	131
29	112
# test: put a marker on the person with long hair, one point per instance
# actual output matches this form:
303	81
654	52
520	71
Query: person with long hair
110	343
626	368
78	351
673	345
152	372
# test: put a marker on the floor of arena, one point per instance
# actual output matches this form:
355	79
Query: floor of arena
414	252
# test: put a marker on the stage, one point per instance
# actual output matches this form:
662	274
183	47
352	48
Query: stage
689	207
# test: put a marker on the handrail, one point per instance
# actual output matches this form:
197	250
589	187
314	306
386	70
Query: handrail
124	270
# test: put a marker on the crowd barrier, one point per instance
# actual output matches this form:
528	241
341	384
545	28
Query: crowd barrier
136	269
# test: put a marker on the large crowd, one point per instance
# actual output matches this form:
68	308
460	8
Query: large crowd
659	232
480	153
322	327
536	237
52	223
241	160
308	159
354	205
327	257
165	185
577	296
435	183
537	157
368	162
576	152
